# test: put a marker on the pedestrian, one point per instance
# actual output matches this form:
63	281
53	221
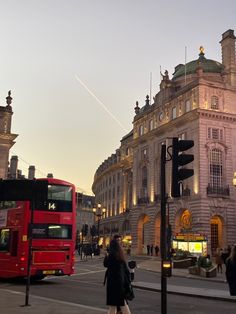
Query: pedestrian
219	260
117	270
225	255
151	249
148	249
157	250
229	249
117	237
231	271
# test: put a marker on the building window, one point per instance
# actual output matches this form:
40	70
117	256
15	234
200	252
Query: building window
161	116
214	103
214	236
127	151
216	168
151	125
141	130
144	154
215	134
182	136
174	113
144	181
187	105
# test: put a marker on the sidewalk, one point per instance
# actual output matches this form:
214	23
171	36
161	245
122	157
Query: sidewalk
154	264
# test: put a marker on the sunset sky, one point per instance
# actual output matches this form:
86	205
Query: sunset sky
77	67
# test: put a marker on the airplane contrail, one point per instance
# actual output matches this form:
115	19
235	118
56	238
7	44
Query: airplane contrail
100	103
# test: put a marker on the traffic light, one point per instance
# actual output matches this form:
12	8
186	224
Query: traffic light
167	268
179	160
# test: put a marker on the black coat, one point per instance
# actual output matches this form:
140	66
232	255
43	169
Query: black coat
231	275
115	280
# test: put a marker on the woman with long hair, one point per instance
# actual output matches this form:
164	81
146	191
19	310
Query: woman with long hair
231	271
115	278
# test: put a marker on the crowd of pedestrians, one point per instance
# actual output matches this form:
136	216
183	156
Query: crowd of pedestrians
150	249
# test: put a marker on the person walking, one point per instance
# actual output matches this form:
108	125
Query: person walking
156	250
231	271
151	249
116	273
219	260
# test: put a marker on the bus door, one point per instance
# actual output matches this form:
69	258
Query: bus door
5	257
9	261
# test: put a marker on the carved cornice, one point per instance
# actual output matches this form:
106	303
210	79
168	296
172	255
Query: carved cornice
210	114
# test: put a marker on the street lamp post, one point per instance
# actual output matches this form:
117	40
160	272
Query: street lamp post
99	212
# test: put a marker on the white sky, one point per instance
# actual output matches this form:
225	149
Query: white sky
77	67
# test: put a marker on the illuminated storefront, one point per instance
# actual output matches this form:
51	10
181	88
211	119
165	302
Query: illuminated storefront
196	244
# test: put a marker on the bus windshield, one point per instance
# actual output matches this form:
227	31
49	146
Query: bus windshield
59	192
59	199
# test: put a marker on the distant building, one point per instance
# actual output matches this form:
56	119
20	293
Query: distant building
84	212
197	103
6	137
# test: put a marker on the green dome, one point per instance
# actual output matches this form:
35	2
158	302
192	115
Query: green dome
208	66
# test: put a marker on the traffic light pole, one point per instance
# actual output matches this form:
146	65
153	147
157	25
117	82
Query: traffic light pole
163	230
30	240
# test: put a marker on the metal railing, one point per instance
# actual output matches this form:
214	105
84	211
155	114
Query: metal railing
218	190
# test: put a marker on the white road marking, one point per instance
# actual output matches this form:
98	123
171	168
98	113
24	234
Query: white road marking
81	274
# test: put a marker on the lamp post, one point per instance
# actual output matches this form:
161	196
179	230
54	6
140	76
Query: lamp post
99	212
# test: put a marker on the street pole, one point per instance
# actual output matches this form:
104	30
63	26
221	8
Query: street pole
163	230
30	240
99	217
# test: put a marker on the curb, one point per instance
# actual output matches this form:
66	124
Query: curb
189	294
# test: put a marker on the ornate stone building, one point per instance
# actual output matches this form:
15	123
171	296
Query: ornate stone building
6	137
197	103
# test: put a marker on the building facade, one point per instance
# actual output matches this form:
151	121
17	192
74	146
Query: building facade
84	214
6	137
198	103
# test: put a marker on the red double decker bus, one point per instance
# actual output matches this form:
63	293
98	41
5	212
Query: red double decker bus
52	231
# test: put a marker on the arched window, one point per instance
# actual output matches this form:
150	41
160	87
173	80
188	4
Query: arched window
216	168
214	103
